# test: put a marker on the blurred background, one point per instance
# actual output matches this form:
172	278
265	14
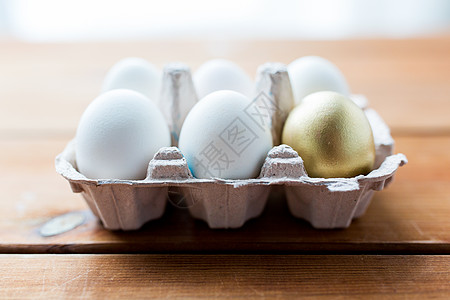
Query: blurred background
84	20
55	54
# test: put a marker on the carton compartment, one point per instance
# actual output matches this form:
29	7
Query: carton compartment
324	203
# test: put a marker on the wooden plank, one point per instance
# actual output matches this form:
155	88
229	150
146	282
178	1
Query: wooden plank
224	276
46	87
411	216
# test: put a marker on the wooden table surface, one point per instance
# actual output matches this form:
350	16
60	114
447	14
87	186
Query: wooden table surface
399	248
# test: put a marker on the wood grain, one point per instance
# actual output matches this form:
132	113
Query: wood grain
224	276
410	216
46	87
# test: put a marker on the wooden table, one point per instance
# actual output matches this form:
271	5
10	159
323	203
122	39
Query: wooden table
399	248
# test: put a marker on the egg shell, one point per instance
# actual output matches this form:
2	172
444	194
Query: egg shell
118	135
136	74
332	134
325	203
310	74
220	74
220	140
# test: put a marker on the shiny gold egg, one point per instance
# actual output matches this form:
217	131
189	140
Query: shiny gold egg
332	135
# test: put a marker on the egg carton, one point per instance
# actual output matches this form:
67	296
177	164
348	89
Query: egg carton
324	203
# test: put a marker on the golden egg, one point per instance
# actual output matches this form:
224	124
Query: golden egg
332	135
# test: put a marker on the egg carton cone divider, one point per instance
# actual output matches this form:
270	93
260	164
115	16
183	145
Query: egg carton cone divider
325	203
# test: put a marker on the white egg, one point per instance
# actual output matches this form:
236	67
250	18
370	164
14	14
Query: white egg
221	74
118	135
220	140
310	74
135	74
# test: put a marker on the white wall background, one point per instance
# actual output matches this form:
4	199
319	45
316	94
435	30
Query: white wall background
80	20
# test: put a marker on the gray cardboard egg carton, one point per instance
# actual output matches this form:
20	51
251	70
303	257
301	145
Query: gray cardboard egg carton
325	203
